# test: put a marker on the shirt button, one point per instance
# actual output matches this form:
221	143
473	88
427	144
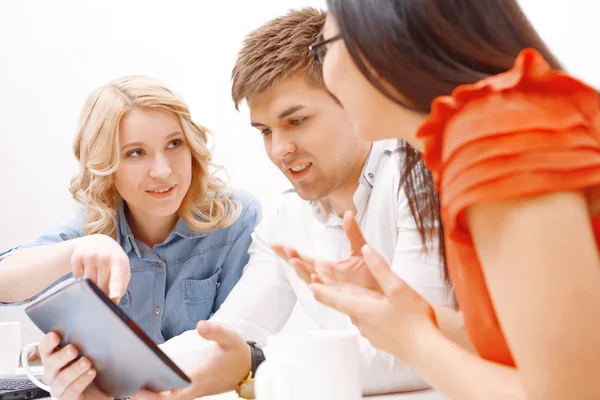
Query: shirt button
387	152
371	175
218	284
157	310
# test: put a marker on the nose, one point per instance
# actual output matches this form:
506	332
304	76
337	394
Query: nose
281	145
160	167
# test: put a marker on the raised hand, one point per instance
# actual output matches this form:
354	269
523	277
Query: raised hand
393	319
350	270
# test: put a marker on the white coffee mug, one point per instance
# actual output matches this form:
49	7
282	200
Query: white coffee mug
10	343
317	365
25	361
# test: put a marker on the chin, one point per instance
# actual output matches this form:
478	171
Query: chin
165	211
169	213
307	195
310	194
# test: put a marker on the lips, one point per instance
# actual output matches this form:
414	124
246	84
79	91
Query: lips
300	168
300	172
162	191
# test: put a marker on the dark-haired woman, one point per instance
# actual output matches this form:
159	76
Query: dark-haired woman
514	147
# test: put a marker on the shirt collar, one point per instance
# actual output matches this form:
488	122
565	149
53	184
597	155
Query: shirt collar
126	239
379	150
124	235
182	230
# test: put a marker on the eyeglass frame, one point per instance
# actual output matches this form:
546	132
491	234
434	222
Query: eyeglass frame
314	48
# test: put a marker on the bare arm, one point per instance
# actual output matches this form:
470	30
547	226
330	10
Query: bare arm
451	324
29	271
460	374
541	265
540	261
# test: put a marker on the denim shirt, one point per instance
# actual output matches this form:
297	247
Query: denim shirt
180	281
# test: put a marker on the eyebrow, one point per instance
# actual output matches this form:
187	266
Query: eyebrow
285	113
140	144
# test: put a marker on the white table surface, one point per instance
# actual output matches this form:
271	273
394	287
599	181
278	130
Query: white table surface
420	395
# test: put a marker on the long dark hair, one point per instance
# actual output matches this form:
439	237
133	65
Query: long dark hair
425	49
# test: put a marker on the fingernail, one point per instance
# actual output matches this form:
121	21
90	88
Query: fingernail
91	371
348	214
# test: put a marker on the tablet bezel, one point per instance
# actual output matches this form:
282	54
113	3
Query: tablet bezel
88	286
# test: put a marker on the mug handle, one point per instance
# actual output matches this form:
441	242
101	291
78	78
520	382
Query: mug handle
25	362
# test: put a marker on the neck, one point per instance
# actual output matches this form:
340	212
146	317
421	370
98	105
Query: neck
150	229
342	199
413	123
417	144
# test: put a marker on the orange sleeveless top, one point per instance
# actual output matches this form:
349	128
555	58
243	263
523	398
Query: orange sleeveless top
530	130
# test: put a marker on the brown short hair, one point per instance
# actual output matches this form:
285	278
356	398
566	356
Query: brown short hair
277	50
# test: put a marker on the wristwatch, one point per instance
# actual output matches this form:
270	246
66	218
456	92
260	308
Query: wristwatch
245	389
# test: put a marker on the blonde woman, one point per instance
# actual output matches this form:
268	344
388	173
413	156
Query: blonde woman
157	231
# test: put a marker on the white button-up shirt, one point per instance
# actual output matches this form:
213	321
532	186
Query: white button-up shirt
262	301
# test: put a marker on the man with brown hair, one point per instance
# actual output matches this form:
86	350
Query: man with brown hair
298	119
309	137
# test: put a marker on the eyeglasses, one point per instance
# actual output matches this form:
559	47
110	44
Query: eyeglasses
319	49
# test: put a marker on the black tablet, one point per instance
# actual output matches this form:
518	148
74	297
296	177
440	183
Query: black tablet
125	358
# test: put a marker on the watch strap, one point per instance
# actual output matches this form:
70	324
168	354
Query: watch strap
258	356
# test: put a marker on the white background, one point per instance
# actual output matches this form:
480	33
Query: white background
53	53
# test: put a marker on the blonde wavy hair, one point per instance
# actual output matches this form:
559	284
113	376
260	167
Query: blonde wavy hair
206	206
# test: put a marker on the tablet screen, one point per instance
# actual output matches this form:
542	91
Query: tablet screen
124	357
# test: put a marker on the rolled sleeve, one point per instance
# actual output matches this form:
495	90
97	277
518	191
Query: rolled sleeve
72	229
